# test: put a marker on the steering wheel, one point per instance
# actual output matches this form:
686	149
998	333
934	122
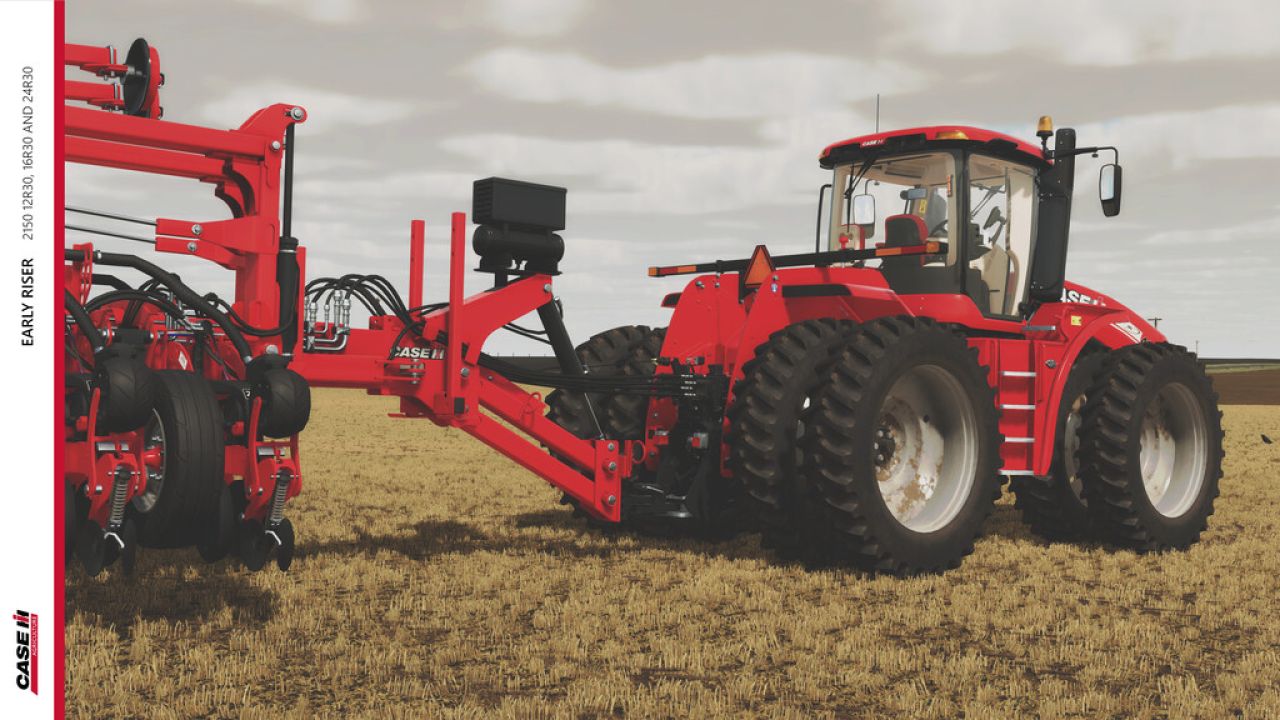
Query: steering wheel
938	228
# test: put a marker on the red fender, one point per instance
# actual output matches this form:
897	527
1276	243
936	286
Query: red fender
1101	319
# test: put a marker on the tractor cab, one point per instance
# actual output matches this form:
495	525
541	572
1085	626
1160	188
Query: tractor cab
977	193
972	191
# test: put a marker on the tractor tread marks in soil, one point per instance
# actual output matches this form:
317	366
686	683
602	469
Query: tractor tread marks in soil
765	421
190	420
1160	391
1052	505
847	421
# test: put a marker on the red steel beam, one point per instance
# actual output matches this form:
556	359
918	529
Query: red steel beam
143	159
145	132
417	247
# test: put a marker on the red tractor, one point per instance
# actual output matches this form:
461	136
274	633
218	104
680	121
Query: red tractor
857	404
881	387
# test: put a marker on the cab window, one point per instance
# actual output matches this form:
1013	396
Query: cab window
916	201
1000	234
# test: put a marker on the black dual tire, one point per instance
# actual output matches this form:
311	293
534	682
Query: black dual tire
767	423
856	417
625	414
604	354
182	509
1151	447
1054	505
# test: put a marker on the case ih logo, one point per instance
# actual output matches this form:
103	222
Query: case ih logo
420	353
28	634
1075	296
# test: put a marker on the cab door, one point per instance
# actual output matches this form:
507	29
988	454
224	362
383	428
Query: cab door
999	234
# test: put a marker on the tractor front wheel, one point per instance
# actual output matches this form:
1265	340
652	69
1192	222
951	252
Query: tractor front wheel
904	451
1054	505
1151	447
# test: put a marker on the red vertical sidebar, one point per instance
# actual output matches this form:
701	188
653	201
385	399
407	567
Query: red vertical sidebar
59	491
453	321
417	249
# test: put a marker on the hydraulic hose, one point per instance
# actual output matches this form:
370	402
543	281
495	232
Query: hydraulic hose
83	321
141	297
184	293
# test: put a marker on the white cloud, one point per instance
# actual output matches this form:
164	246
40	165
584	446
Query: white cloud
326	109
625	176
1177	139
394	188
1089	32
531	18
712	87
328	12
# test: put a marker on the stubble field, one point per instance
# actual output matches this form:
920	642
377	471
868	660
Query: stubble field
436	579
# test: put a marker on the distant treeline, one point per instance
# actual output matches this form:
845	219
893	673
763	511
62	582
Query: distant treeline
1241	361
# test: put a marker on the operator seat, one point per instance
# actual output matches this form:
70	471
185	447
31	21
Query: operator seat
908	274
997	266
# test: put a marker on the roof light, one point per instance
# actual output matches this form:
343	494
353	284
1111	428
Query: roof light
1044	128
951	135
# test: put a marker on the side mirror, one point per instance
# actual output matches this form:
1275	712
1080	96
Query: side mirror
1109	189
864	209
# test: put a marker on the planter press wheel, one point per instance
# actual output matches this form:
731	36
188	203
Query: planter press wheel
183	455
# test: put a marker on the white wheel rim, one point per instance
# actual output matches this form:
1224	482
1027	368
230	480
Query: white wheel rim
153	440
1174	450
925	454
1071	445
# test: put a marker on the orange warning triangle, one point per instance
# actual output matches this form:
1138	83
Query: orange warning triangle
759	268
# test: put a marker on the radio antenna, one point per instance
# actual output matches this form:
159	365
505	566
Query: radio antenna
877	112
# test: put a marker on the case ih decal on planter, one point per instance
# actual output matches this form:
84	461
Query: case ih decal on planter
420	353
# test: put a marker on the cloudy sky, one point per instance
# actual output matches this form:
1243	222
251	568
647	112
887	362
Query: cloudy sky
690	131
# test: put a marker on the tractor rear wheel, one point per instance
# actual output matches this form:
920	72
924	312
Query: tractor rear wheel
904	451
1151	447
626	413
1054	505
183	453
767	426
603	355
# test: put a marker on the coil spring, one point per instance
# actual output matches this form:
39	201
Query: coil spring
277	499
119	495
